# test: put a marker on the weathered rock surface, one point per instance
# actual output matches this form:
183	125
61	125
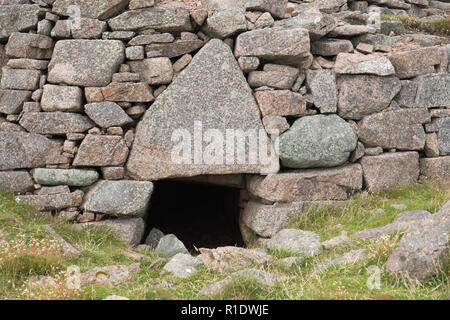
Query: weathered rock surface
130	230
296	241
20	79
331	47
107	114
169	246
57	123
276	7
399	129
322	84
424	245
97	9
20	150
267	220
153	238
182	265
86	63
280	103
402	222
349	63
173	49
317	141
224	259
290	46
69	177
433	91
422	249
61	98
221	100
28	45
11	101
226	23
155	71
119	198
435	168
308	185
20	17
361	95
110	275
409	64
390	170
101	151
316	23
53	202
157	18
443	135
16	181
127	92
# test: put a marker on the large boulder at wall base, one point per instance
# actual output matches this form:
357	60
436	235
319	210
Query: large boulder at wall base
211	92
317	141
119	198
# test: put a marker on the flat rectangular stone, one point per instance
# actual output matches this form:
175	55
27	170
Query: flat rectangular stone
398	129
20	150
390	170
98	9
24	63
20	79
16	181
172	50
61	98
308	185
280	103
119	198
331	47
145	39
57	123
127	92
158	18
437	169
289	46
54	201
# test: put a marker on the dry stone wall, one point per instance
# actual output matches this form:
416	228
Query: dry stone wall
92	92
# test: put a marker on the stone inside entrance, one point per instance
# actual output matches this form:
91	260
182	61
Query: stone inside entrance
200	215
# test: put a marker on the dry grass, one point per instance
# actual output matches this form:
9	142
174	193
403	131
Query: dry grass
414	24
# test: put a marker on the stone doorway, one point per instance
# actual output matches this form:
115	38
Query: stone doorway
201	215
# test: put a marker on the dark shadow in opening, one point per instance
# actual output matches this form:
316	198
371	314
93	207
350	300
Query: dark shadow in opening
200	215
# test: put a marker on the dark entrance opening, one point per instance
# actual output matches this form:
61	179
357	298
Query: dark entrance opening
200	215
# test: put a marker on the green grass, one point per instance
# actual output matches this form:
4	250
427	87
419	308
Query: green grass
31	252
414	24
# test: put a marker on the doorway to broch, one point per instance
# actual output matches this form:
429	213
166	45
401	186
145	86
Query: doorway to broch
200	215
